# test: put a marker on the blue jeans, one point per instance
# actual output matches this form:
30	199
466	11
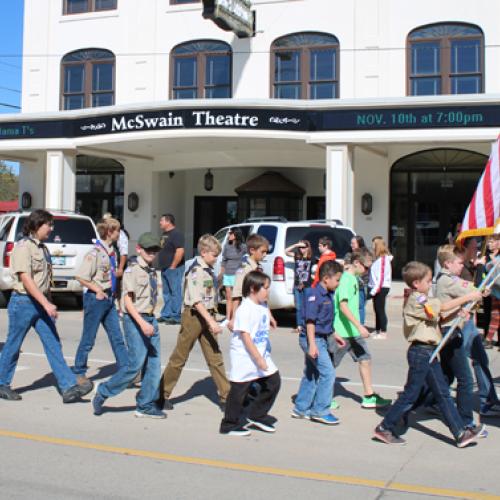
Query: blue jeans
480	363
95	313
299	307
316	387
420	372
455	363
143	354
172	293
24	313
362	302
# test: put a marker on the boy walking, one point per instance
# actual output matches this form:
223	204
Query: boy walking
140	292
98	275
316	387
348	326
198	323
421	316
251	362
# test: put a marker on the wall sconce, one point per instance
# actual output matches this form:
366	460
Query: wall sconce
26	200
171	174
367	204
133	202
208	181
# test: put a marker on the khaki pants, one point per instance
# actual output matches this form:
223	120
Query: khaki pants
194	328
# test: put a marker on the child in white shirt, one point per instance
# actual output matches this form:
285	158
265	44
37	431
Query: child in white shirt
250	355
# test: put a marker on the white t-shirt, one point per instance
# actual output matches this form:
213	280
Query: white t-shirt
254	319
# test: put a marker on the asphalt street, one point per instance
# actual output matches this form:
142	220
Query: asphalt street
51	450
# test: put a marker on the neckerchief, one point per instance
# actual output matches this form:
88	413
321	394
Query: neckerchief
112	261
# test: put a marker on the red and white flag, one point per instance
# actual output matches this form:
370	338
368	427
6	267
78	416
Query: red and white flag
483	214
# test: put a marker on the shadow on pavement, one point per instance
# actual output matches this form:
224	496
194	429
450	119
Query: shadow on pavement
48	380
204	387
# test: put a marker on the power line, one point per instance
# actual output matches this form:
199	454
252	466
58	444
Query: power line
10	90
9	105
11	65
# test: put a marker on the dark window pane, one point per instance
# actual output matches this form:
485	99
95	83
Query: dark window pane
185	94
287	67
102	99
466	85
74	102
185	72
287	91
105	4
465	57
76	6
323	64
102	76
75	231
425	58
88	55
426	86
322	91
73	78
119	183
218	92
217	70
269	232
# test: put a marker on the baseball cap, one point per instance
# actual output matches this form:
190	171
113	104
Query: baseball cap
149	241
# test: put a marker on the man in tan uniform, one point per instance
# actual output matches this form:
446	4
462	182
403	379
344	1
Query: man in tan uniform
98	274
140	292
30	305
198	323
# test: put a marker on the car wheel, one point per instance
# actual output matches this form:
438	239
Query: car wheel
5	297
79	300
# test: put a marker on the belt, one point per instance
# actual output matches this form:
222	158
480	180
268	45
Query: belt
147	315
323	335
417	343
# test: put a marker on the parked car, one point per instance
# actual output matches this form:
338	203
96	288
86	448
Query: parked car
73	236
280	233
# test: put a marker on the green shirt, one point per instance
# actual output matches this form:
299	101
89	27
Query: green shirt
347	291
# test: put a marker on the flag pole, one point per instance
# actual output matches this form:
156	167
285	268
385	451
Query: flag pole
487	283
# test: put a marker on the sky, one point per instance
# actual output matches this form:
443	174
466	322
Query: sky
11	48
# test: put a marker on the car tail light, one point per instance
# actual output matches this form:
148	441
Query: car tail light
279	269
9	246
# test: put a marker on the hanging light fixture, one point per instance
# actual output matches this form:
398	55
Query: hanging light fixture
208	181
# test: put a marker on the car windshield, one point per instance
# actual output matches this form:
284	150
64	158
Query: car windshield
66	230
341	238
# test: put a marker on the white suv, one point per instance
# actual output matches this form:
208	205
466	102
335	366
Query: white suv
281	234
73	236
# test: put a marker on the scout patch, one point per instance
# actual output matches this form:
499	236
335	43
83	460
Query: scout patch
312	298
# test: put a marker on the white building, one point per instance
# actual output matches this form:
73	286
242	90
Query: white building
398	100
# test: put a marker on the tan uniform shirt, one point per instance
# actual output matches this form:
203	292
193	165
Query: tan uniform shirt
140	280
96	266
29	257
247	265
421	319
448	287
199	285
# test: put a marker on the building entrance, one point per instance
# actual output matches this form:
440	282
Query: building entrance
430	192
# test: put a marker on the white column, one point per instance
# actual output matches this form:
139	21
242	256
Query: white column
339	184
60	180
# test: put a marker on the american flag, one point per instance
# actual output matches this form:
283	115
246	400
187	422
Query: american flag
482	217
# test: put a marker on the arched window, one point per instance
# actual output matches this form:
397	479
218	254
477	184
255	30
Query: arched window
305	66
445	58
88	79
201	69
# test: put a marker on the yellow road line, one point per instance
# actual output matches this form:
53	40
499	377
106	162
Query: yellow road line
273	471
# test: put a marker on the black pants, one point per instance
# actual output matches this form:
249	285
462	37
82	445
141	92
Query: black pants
269	387
379	309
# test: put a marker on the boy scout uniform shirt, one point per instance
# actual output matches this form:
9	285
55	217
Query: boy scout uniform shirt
318	307
32	257
448	287
96	266
199	286
137	280
247	265
421	319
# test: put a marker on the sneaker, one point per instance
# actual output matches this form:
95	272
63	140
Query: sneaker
263	426
296	414
380	336
488	344
238	431
167	404
98	402
82	379
72	394
7	393
327	419
387	436
161	320
466	438
84	386
374	333
490	410
479	431
375	401
153	412
334	405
